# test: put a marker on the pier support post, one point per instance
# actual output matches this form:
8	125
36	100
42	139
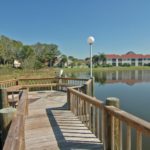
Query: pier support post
112	126
3	98
6	116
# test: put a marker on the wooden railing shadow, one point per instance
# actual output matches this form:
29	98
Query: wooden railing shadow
69	132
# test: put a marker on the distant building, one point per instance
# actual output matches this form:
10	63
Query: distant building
129	58
17	64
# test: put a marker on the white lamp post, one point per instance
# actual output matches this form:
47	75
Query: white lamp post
91	41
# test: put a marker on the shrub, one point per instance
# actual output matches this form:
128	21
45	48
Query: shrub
125	65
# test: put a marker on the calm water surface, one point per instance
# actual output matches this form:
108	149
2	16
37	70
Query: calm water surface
131	87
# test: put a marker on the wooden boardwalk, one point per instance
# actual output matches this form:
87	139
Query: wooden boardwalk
50	126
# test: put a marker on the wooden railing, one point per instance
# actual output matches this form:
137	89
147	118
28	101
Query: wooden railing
106	121
50	83
15	138
8	83
89	110
69	81
141	127
99	118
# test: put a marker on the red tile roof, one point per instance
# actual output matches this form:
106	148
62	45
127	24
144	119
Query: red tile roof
111	56
127	56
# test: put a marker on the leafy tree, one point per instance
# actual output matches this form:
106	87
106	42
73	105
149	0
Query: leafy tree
25	52
8	49
46	53
63	60
33	56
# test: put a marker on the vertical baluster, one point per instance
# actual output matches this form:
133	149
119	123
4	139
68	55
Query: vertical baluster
120	135
79	109
128	139
103	125
73	102
84	111
94	120
88	115
98	123
90	118
138	140
71	97
112	132
76	103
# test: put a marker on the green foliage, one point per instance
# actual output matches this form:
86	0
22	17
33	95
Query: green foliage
25	52
106	65
99	59
63	60
125	65
34	56
37	64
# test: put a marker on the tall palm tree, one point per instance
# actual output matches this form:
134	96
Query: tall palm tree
63	60
95	59
102	58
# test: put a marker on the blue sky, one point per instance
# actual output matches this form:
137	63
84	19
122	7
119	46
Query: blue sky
117	25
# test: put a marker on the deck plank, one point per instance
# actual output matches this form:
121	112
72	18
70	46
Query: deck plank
50	126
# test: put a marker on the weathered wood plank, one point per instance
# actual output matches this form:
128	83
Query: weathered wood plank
50	125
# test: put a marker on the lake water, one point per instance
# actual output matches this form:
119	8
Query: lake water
131	87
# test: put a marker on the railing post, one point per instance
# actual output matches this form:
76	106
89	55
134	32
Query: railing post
92	86
86	89
6	116
68	98
17	82
3	98
112	132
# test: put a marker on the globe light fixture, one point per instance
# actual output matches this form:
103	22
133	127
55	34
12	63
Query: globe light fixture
90	42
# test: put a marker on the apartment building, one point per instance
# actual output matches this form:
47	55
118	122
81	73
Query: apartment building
130	58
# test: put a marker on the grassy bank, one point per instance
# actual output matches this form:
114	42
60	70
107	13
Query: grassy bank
107	69
11	73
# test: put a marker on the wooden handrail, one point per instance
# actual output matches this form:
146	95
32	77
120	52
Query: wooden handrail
130	119
79	79
77	98
6	81
89	99
15	137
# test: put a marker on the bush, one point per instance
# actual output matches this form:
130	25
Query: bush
106	65
147	64
125	65
37	64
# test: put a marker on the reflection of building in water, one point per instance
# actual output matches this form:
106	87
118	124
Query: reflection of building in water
128	77
129	58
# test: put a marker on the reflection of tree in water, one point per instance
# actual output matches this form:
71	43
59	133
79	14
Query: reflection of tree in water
100	77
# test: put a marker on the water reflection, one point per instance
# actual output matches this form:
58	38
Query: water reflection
129	77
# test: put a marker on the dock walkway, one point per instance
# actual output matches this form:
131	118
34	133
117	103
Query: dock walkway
50	126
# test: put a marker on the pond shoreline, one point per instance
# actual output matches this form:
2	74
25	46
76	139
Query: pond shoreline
12	73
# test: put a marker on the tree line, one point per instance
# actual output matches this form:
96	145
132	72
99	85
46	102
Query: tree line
39	55
30	56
